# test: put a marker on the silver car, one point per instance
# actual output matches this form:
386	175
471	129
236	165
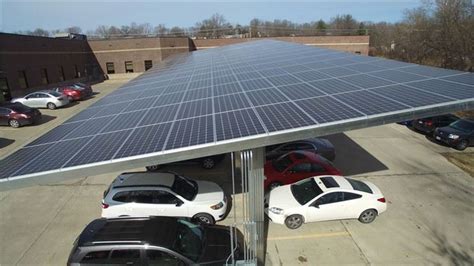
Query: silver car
43	99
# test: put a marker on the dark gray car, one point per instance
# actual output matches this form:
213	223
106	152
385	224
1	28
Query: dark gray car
319	146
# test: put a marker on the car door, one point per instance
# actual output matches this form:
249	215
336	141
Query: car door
297	172
168	204
162	257
43	99
353	204
31	100
329	206
143	203
4	116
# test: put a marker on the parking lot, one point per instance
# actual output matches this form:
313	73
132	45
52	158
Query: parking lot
428	221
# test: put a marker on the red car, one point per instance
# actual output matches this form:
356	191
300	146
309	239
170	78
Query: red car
295	166
17	115
76	91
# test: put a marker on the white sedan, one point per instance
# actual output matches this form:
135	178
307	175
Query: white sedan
323	198
43	99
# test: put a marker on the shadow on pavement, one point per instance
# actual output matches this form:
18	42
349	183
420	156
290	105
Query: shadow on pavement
5	142
46	119
351	158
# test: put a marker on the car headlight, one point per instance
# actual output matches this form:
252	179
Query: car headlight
276	210
453	136
217	206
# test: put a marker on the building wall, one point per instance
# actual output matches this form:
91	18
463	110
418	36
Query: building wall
32	54
359	44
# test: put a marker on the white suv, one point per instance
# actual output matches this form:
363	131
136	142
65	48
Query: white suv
143	194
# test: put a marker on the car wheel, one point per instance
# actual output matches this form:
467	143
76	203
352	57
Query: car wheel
204	218
274	185
51	106
14	123
208	163
153	168
462	145
368	216
294	221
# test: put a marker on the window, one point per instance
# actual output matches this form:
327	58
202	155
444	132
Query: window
316	168
122	196
330	198
289	147
4	111
329	182
304	146
301	168
110	68
44	76
22	79
156	257
4	90
357	52
359	185
305	190
164	197
148	64
62	77
96	257
128	67
351	196
77	73
125	256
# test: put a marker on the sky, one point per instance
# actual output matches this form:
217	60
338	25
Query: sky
27	15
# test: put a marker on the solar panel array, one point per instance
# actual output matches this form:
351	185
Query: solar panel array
232	92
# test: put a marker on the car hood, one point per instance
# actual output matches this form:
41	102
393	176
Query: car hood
17	99
282	197
217	246
449	130
209	192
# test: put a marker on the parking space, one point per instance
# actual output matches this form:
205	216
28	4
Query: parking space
428	221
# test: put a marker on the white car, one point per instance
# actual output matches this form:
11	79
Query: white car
143	194
43	99
323	198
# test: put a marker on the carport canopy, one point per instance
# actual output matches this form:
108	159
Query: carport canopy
235	98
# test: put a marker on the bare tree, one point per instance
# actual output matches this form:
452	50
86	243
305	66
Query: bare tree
39	32
73	29
161	30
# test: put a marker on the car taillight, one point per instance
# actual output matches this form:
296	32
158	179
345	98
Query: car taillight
105	205
429	123
381	200
24	116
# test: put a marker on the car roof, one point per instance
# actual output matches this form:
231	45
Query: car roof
136	179
340	180
158	231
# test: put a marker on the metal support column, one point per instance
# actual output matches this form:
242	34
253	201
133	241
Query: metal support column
252	163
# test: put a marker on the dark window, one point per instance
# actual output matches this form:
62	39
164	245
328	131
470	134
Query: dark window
305	190
164	197
351	196
357	52
184	187
281	164
62	77
125	256
331	198
128	67
301	168
122	196
77	73
23	82
289	147
4	90
359	185
329	182
316	168
44	76
304	146
110	68
4	111
96	257
148	64
299	155
156	257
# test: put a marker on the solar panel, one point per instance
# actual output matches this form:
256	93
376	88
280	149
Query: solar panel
236	97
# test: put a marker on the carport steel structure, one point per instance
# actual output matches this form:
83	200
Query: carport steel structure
237	98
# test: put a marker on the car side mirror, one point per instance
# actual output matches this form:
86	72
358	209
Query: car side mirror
179	203
316	205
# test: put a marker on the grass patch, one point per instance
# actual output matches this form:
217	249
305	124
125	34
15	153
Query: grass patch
463	160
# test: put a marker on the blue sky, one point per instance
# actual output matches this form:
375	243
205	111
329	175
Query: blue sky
27	15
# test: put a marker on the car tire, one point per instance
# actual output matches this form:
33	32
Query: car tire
294	221
368	216
153	168
204	218
14	123
274	185
208	163
51	106
462	145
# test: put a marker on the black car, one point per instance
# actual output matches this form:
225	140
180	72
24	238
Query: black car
320	146
427	125
17	115
206	162
154	241
458	135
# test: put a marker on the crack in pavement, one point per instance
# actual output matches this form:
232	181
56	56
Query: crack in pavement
364	256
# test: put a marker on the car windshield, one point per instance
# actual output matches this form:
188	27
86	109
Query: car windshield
55	94
305	190
189	240
359	185
282	163
185	187
78	86
463	125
